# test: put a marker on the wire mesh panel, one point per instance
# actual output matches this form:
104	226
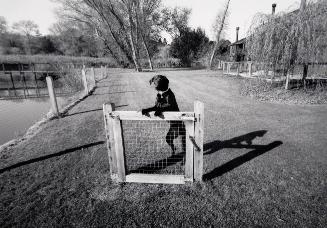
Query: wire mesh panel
154	147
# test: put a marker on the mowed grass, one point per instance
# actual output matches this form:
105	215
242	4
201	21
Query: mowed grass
264	164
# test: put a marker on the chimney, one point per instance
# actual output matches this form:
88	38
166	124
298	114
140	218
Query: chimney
237	29
273	8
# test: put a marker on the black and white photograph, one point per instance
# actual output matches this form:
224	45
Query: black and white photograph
163	113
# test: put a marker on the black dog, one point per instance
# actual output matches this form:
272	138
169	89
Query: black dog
166	102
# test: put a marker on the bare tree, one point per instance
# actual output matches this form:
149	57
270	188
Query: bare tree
219	26
175	20
118	23
147	15
27	28
106	19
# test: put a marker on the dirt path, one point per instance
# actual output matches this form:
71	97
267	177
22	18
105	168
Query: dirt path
264	164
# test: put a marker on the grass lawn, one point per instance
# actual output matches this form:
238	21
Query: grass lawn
265	164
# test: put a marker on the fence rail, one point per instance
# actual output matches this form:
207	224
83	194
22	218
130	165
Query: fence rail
258	70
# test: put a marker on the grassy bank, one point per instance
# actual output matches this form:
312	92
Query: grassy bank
265	91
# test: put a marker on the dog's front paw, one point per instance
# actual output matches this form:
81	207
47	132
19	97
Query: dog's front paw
145	112
157	113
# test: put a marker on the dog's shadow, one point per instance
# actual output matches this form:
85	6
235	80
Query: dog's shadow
241	142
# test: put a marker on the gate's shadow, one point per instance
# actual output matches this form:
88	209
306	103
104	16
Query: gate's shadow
160	164
237	142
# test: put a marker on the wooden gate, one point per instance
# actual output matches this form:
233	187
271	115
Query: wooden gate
138	153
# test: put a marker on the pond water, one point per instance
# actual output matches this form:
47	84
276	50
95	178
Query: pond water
17	115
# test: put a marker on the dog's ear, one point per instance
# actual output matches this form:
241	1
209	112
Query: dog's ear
151	81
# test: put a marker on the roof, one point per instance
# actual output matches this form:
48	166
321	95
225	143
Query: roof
239	42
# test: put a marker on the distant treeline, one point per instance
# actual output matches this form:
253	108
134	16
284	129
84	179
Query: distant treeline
74	42
21	62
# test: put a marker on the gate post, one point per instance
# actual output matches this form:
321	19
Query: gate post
114	144
108	108
189	164
198	135
53	99
119	148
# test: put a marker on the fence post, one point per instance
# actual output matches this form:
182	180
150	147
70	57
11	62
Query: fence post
35	79
250	68
198	135
85	81
102	72
287	83
53	99
13	84
93	76
238	69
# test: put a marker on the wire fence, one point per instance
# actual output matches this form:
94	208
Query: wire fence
63	86
154	147
26	83
259	70
31	84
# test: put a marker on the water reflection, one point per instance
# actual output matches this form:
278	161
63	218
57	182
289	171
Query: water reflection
17	115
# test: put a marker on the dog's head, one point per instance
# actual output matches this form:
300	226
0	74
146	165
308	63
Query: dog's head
160	82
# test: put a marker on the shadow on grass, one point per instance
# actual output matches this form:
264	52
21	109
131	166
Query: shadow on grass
179	68
34	160
98	94
79	101
237	143
110	85
92	110
160	164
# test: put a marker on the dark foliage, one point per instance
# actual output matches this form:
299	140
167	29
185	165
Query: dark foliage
188	45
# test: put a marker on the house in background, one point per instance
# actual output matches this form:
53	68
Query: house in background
237	50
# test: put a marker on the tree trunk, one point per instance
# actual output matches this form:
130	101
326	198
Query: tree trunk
147	53
28	45
131	37
135	58
213	53
219	33
141	29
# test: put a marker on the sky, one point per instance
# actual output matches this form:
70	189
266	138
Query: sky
202	15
